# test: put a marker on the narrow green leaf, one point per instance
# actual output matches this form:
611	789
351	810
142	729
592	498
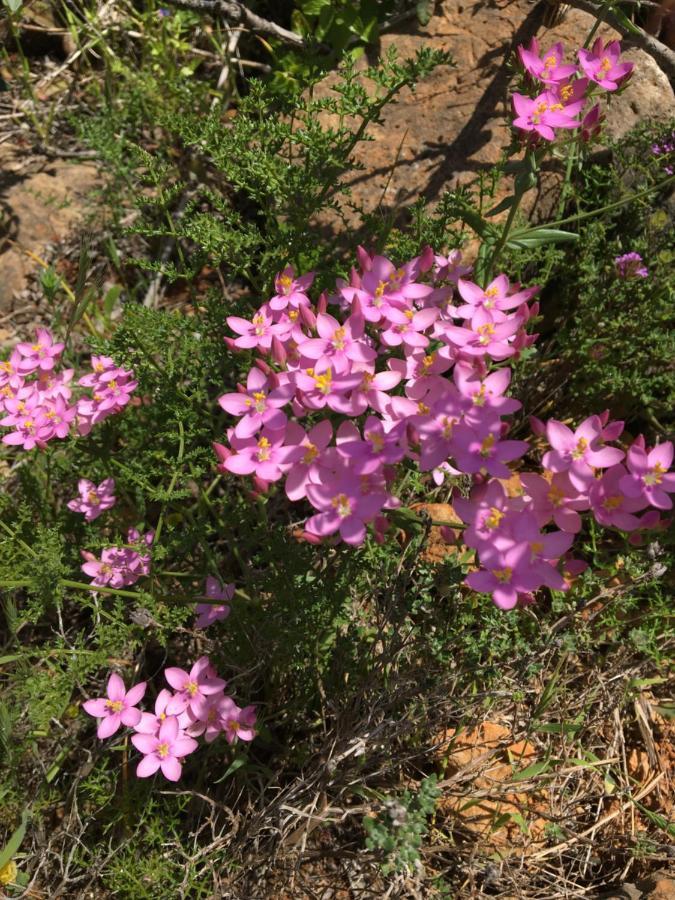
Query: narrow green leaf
13	844
532	771
535	237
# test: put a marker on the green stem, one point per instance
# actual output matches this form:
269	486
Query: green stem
578	217
14	537
518	195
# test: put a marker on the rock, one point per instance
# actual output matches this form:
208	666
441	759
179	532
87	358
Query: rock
36	208
456	124
436	548
659	886
495	811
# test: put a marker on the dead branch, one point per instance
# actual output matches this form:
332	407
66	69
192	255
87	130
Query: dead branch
237	13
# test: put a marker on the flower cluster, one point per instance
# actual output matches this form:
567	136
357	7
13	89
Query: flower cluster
36	399
411	368
197	706
630	265
581	472
560	91
397	328
120	566
665	153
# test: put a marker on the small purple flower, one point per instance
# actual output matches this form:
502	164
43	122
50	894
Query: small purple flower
94	500
630	265
118	708
208	613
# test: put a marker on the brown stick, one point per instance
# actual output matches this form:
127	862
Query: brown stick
662	55
236	12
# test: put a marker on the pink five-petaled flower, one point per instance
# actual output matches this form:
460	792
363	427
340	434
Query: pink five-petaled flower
164	750
193	688
544	113
495	296
601	64
40	355
237	723
377	448
257	405
510	575
313	443
579	452
338	343
549	67
291	291
259	332
267	456
610	506
343	506
649	476
407	326
118	708
93	499
208	613
474	453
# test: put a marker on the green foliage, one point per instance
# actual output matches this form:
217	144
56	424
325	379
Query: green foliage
258	182
613	338
399	829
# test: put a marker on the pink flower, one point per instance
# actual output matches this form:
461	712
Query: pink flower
151	723
343	505
119	566
485	337
208	613
474	453
257	405
267	456
94	500
383	287
450	268
555	500
291	291
407	326
193	688
40	355
496	296
630	265
549	67
509	575
649	477
338	344
10	371
610	506
579	452
163	751
31	429
601	64
237	723
118	708
378	447
313	443
544	113
258	333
